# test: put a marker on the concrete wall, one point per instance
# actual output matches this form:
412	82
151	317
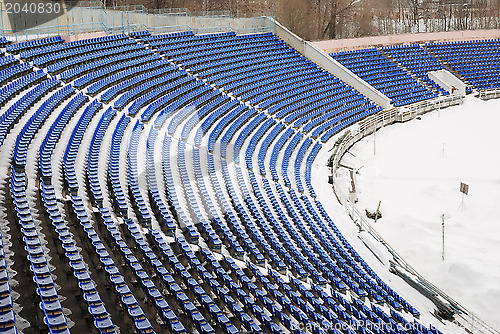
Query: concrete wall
335	45
318	56
448	82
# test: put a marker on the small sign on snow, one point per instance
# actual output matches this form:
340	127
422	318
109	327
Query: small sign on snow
464	188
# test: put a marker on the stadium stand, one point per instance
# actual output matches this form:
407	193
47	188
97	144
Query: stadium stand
146	182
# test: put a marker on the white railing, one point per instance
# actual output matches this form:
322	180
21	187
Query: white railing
489	94
468	320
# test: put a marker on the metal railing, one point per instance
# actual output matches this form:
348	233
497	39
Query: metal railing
90	16
489	94
468	321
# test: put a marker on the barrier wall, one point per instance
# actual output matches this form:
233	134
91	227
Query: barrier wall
448	81
335	45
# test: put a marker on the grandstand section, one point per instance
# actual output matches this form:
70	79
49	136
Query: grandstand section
162	183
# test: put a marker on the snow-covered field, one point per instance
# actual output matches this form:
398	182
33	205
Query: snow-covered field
416	173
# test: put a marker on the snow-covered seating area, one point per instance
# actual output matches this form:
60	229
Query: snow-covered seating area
163	184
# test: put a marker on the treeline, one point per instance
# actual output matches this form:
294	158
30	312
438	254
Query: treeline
327	19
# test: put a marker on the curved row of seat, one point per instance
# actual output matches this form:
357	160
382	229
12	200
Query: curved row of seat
121	288
21	46
96	307
18	108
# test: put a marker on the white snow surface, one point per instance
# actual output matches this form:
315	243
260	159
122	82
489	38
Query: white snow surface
416	173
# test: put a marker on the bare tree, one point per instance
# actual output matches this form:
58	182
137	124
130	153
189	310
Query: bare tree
337	11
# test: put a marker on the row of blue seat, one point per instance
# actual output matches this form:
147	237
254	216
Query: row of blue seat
181	217
18	108
358	111
277	74
233	245
78	68
232	129
268	123
334	127
308	108
169	103
7	61
182	43
202	221
119	201
325	112
200	54
4	41
34	122
46	290
156	70
56	56
56	128
151	89
286	157
21	46
265	146
114	72
134	310
102	320
298	161
74	142
137	69
210	120
17	86
45	48
7	316
159	208
93	158
199	114
140	33
174	35
12	72
309	163
219	127
136	198
125	52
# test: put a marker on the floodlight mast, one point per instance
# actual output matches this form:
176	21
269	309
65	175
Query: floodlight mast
442	224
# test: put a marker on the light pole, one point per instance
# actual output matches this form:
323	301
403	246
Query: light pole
442	224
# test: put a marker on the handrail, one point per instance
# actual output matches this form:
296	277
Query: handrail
473	324
489	94
93	17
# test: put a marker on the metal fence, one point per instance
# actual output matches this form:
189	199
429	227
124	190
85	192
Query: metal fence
75	18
